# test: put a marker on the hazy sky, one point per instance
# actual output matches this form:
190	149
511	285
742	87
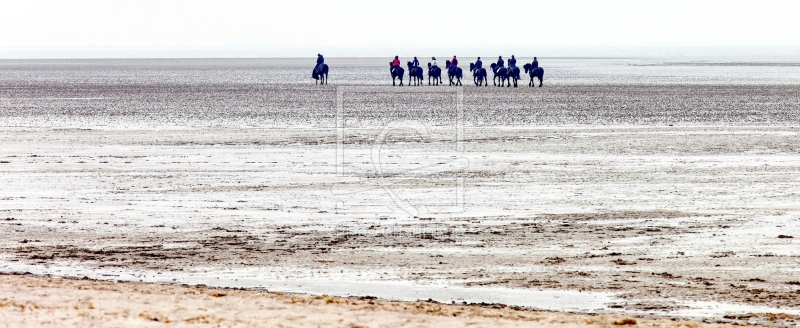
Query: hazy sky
312	24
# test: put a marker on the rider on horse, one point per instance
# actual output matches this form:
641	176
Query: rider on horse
320	61
396	62
454	62
500	62
512	62
415	62
535	63
433	63
478	63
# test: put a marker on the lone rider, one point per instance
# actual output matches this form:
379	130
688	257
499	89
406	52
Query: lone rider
535	63
395	63
433	63
415	62
478	63
512	62
454	62
500	62
320	60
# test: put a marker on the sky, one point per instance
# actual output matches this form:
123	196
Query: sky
275	28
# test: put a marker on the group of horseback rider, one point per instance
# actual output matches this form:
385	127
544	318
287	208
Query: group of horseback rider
454	62
512	62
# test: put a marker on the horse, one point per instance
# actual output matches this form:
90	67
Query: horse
499	73
478	75
453	72
513	75
536	72
397	72
416	73
320	74
434	72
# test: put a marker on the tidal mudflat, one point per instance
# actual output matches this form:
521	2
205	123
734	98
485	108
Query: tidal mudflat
660	188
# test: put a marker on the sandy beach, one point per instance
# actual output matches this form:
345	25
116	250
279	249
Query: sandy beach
642	188
48	302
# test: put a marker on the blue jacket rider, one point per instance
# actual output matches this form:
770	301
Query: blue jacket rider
512	62
478	63
500	62
320	60
415	62
535	63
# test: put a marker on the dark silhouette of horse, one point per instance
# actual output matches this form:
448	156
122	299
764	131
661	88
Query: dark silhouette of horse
513	75
453	72
320	74
499	73
415	72
536	72
478	75
397	72
435	73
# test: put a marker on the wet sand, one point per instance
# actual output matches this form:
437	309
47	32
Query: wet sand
48	302
679	201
